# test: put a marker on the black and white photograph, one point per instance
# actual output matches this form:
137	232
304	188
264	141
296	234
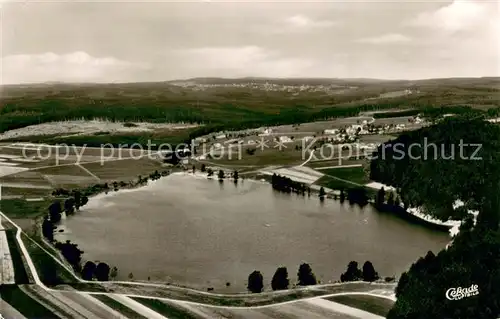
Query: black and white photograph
250	159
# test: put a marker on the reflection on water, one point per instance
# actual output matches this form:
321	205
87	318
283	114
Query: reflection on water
200	233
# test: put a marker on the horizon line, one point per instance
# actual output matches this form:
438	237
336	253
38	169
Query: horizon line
251	78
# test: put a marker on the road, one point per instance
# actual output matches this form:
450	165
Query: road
308	159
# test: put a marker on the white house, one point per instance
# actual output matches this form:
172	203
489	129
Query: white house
331	131
353	129
200	140
234	140
285	139
267	131
220	137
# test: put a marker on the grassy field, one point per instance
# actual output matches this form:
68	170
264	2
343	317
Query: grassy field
26	192
123	170
353	174
329	182
165	309
30	308
124	310
336	162
49	271
378	306
342	178
266	157
19	208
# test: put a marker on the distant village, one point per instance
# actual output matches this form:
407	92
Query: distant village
266	87
343	135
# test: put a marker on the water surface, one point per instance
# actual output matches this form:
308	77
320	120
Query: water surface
196	232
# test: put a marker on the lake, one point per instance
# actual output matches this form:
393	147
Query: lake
191	231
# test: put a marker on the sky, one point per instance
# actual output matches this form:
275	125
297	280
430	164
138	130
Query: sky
118	41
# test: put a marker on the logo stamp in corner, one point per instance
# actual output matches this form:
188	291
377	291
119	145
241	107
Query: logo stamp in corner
460	293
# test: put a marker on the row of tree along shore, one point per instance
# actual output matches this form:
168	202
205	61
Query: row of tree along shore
306	277
354	195
69	202
383	201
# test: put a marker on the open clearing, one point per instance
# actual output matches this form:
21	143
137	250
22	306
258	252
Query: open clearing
124	170
265	157
353	174
88	127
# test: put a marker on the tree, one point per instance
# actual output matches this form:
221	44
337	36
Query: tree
342	195
397	202
131	276
434	184
255	282
390	199
55	212
88	270
84	201
210	172
353	273
102	272
77	199
380	199
235	176
69	205
220	175
280	279
465	262
48	229
305	275
369	273
113	273
322	193
71	253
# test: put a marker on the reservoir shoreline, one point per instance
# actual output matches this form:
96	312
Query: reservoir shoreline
189	231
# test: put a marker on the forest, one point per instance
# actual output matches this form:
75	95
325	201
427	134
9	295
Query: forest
234	107
433	181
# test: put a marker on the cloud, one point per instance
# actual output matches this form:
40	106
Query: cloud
294	24
457	16
386	39
465	33
242	61
303	22
72	67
